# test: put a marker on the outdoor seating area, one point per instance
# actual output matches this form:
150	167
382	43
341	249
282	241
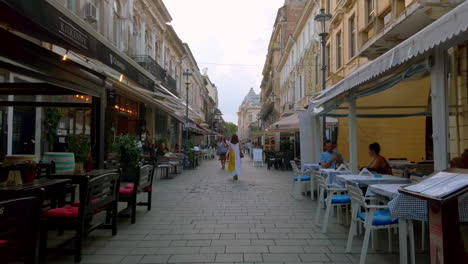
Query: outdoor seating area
369	202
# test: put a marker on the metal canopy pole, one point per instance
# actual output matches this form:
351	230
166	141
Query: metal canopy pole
440	110
353	150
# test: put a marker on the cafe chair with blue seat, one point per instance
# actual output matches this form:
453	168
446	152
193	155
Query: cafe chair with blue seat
330	197
301	182
373	217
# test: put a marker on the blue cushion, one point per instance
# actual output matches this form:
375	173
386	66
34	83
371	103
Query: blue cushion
303	178
381	217
340	198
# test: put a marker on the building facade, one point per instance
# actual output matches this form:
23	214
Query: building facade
115	66
272	97
247	115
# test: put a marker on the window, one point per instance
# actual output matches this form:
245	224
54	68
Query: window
338	50
327	57
250	118
370	10
71	4
116	24
352	37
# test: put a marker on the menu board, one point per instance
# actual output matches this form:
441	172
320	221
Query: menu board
441	184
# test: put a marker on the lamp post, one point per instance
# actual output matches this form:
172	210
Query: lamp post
322	18
187	75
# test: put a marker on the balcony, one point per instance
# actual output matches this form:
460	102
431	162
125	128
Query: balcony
402	26
159	72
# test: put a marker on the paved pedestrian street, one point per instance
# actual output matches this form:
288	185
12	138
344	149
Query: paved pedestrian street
203	216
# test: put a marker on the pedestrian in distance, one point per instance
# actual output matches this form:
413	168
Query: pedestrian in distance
235	156
222	150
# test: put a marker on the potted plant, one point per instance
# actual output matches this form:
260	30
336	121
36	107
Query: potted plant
51	123
129	155
80	145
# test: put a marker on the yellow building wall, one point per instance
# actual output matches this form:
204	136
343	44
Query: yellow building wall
398	138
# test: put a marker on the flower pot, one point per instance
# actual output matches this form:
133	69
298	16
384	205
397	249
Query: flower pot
64	161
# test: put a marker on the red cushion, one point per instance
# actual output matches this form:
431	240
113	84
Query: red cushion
126	191
130	186
63	212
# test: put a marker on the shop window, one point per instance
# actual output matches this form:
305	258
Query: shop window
24	128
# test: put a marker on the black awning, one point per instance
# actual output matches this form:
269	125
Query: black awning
43	21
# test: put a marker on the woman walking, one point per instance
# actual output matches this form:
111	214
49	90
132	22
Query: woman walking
222	150
235	155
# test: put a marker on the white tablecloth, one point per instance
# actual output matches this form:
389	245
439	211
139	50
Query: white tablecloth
309	167
365	180
408	207
332	173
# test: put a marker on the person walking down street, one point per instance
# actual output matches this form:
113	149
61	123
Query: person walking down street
235	156
222	150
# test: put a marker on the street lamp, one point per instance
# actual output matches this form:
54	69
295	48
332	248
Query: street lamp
187	75
322	18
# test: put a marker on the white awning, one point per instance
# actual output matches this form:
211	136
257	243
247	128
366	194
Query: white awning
445	32
287	124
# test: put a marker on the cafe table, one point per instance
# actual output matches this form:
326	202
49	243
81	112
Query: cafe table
309	167
54	189
407	209
365	180
76	178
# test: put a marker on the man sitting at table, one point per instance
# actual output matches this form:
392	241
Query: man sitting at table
329	158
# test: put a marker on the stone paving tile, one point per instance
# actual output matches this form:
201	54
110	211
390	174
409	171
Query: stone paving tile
203	216
155	259
198	258
281	258
229	258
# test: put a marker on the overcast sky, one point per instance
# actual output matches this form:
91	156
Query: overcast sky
230	38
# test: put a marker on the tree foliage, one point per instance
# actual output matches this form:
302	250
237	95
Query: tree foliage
231	129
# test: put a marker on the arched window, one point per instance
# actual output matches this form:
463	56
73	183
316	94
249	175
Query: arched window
117	28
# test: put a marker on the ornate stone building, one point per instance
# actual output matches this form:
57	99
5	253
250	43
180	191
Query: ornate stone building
247	115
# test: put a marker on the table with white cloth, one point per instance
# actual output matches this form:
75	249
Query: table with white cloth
331	174
309	167
407	208
365	180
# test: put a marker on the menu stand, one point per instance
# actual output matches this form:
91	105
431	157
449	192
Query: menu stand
446	243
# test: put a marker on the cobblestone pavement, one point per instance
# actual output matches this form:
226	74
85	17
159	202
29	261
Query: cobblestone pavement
203	216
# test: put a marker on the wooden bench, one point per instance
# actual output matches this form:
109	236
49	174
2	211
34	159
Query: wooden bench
97	194
142	184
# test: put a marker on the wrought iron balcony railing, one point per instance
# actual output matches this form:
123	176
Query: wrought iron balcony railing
159	72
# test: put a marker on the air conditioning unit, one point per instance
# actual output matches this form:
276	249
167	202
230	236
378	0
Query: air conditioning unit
90	12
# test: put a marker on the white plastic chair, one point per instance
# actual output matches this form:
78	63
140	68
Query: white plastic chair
374	217
333	199
343	167
367	172
301	182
